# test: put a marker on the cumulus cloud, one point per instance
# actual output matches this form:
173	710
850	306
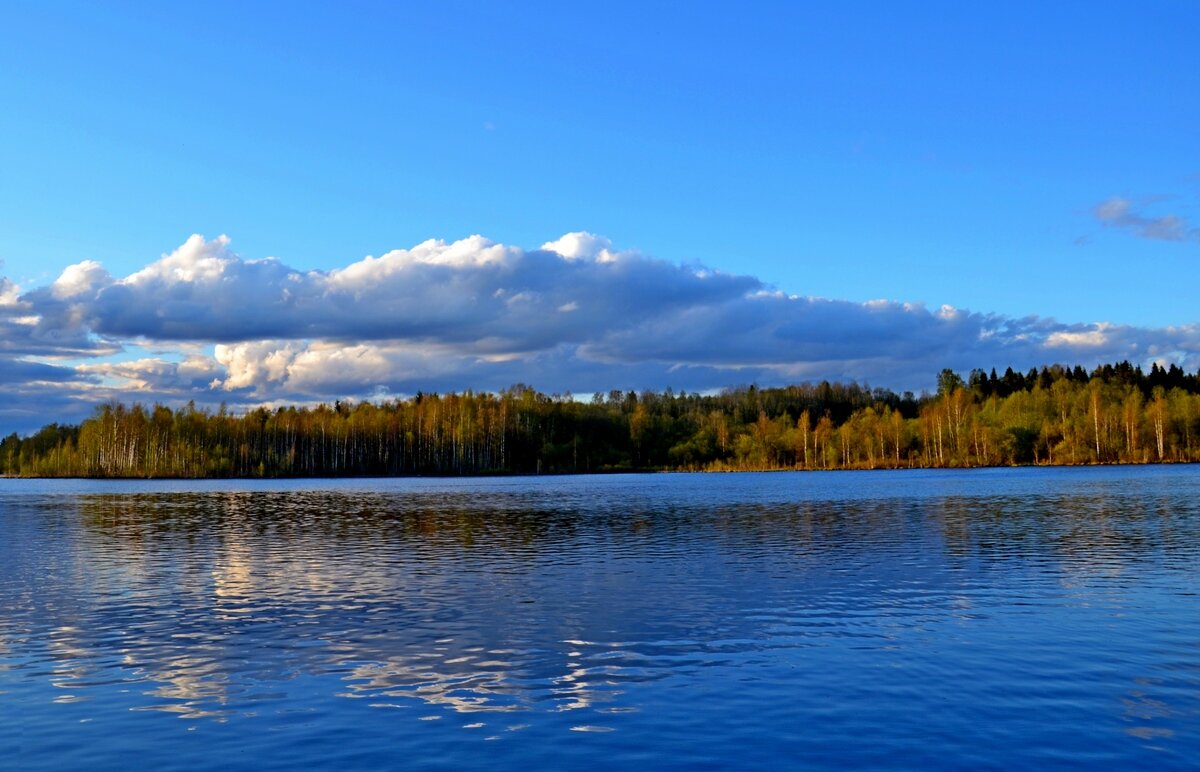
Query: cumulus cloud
575	314
10	293
475	293
31	328
1121	213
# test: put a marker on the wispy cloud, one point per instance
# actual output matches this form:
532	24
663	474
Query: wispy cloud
1120	212
576	314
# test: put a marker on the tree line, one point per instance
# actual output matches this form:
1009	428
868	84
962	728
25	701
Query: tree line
1056	415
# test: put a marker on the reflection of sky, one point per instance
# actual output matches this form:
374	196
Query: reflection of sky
508	609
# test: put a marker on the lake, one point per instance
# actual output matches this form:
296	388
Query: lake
1003	618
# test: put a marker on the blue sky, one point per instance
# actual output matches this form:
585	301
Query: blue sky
1006	159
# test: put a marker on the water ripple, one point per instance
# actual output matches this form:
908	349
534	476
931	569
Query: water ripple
995	617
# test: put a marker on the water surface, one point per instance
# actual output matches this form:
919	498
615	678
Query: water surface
880	619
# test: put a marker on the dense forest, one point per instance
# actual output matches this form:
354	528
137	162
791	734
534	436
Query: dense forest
1056	415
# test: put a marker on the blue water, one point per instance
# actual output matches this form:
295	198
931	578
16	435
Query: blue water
1003	618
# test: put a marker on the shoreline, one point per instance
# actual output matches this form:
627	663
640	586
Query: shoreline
647	472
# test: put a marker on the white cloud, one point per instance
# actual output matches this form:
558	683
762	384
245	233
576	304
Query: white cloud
80	279
1090	338
582	246
10	293
469	292
574	315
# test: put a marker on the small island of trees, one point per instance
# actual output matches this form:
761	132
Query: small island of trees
1055	415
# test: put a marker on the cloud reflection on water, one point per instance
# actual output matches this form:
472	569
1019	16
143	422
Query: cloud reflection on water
226	605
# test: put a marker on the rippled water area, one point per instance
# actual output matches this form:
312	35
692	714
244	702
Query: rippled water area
1002	618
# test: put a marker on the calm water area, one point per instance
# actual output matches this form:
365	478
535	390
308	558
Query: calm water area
913	619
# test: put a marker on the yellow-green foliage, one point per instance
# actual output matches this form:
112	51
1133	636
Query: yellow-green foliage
1058	416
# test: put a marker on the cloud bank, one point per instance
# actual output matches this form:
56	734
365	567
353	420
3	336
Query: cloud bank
576	314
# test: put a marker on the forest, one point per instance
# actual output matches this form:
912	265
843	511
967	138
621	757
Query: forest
1057	415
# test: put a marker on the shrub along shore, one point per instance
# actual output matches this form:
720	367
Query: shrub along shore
1055	416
